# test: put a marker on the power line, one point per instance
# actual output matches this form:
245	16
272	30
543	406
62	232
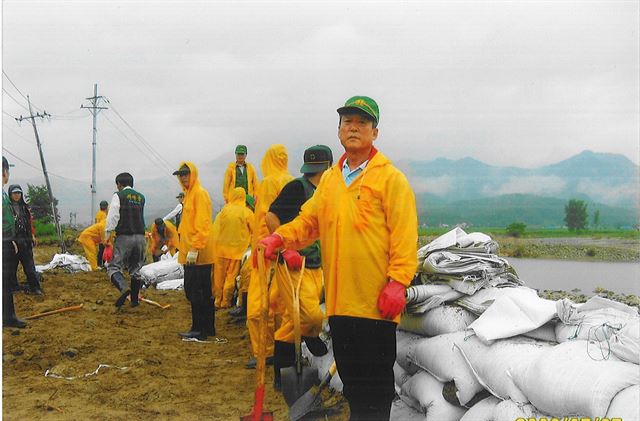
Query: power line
38	169
14	85
17	134
16	101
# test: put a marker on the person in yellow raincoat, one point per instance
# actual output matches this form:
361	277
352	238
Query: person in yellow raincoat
163	237
364	214
275	173
239	174
101	215
196	251
232	237
317	159
90	238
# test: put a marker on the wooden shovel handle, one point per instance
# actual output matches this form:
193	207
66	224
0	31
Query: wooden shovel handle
60	310
155	303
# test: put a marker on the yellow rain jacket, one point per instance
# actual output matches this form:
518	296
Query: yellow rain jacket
89	238
196	224
101	216
170	234
233	226
276	174
230	180
368	235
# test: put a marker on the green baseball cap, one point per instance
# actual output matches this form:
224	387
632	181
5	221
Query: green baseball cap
362	104
316	158
241	149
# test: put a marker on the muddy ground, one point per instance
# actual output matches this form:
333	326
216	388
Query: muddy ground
165	378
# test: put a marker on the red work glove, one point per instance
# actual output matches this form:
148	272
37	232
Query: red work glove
391	300
272	244
293	259
107	254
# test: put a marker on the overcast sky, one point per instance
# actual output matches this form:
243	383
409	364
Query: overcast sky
508	83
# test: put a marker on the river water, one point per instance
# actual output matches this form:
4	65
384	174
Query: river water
623	278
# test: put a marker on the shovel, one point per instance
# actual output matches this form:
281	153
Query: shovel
296	380
257	413
312	400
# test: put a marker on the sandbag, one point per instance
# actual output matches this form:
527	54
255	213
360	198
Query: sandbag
69	262
567	380
440	358
440	320
511	411
322	364
626	405
422	298
482	411
162	270
482	299
400	375
424	393
546	332
491	364
400	411
405	342
625	343
174	284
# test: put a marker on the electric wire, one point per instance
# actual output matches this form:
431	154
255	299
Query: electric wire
23	96
15	100
39	169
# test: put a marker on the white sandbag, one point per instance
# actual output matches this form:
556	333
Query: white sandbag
163	270
546	332
482	299
405	342
491	364
440	358
422	298
567	380
625	343
511	411
513	315
444	319
400	411
482	411
400	375
174	284
69	262
424	393
626	405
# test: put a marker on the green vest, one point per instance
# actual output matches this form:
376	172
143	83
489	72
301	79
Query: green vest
8	219
312	252
242	180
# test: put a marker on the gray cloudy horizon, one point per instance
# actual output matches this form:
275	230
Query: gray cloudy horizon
508	83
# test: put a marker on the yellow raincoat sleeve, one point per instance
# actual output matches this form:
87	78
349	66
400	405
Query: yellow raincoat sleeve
203	214
402	223
229	181
303	230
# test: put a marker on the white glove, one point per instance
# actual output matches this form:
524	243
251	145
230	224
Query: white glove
164	249
192	256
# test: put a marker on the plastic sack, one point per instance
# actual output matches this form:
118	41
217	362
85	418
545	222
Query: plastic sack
68	262
567	380
400	411
440	358
163	270
405	342
174	284
625	343
626	405
424	393
437	321
482	411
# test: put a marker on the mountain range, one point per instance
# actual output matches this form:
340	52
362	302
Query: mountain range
447	191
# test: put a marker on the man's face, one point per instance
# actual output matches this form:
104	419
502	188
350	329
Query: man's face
185	180
181	199
16	196
5	176
240	158
356	133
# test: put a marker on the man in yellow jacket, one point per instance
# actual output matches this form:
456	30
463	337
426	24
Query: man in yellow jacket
364	214
232	237
163	237
90	238
275	171
240	174
196	251
101	215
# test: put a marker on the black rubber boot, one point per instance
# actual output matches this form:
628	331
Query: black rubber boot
316	345
9	318
284	355
135	290
117	279
195	322
207	319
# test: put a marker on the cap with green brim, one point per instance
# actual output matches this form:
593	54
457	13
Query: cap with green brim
316	159
181	194
184	170
241	149
361	104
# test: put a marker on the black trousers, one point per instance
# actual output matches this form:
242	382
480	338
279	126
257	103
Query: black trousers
365	350
25	257
9	279
100	253
197	288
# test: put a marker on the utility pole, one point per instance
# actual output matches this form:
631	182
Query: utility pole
32	118
94	109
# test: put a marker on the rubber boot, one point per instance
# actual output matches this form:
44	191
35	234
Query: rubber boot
208	319
117	279
135	290
316	345
195	322
242	317
9	318
242	309
284	355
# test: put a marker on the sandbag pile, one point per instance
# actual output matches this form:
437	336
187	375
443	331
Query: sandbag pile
500	352
68	262
166	269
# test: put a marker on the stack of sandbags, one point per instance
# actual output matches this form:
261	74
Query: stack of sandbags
166	269
68	262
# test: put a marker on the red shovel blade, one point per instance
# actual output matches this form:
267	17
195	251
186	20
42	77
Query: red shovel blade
257	414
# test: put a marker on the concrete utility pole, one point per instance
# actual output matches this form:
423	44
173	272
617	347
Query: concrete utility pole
94	109
32	118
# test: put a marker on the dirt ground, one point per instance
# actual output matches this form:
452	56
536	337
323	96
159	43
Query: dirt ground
165	378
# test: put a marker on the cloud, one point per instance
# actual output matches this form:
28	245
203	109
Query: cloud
606	193
438	186
538	185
